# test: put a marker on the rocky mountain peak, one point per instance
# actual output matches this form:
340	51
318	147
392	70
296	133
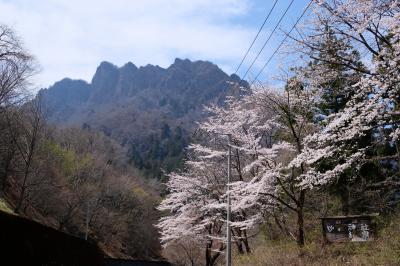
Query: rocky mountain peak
134	105
129	66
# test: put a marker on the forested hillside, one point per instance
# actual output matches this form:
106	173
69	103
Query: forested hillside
150	111
73	179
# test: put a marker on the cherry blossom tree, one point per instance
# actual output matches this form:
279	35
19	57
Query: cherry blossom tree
195	205
328	120
349	138
281	120
266	128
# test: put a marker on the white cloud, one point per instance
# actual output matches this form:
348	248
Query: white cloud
71	37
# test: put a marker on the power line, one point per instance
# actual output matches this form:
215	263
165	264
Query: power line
282	42
269	37
255	38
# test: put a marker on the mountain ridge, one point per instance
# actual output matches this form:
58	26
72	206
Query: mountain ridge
149	109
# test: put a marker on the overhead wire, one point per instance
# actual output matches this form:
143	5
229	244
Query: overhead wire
269	37
255	38
282	42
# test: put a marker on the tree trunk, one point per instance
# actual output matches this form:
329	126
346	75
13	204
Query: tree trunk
300	219
211	259
246	242
208	255
22	193
344	197
87	218
4	178
214	259
7	168
239	246
398	155
238	241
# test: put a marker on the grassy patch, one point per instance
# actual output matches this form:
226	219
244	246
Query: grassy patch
4	206
385	250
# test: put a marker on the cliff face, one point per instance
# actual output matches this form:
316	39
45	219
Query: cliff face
150	110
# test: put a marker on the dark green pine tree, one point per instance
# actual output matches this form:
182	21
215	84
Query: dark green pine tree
334	67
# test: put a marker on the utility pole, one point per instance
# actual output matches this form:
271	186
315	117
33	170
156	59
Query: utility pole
228	209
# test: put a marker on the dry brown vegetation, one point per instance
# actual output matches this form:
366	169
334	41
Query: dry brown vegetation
385	250
73	179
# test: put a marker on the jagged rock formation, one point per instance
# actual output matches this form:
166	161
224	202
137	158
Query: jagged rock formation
149	110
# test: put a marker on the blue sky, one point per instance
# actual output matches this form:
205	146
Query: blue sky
71	37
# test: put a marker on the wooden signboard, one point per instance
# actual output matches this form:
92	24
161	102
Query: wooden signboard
354	228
